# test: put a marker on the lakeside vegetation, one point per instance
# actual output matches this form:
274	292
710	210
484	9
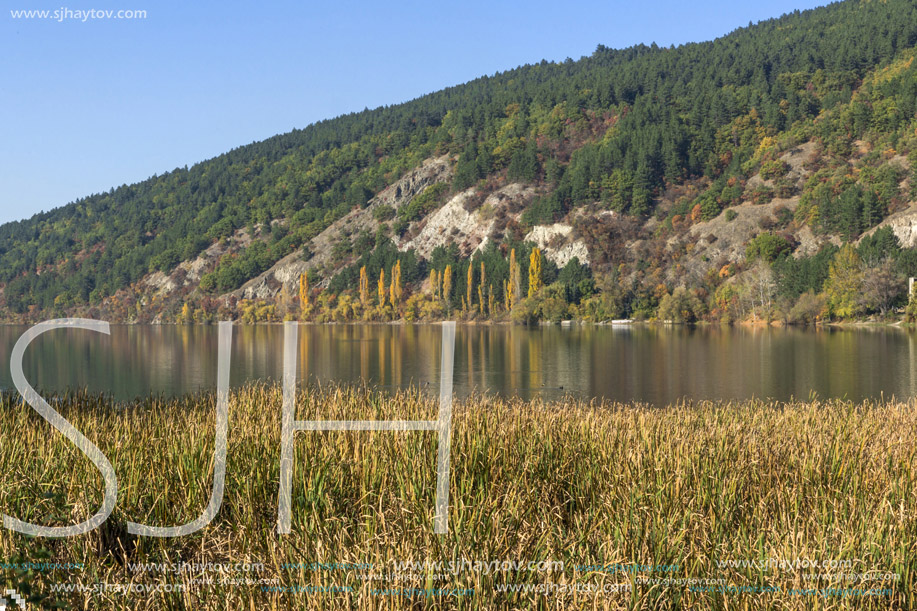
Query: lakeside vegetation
690	485
867	281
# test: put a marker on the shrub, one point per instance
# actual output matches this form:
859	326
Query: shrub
808	309
424	203
767	246
681	306
761	194
774	168
383	212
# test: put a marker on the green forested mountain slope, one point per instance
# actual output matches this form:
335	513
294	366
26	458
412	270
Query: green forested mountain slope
664	136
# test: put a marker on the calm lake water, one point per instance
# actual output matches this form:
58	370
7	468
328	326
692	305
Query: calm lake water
647	364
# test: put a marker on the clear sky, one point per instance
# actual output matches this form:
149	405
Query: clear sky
88	105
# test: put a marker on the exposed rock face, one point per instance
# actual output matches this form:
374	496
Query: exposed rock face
453	223
401	192
557	243
190	272
288	270
809	243
160	283
796	158
709	244
718	241
438	229
903	222
470	224
904	225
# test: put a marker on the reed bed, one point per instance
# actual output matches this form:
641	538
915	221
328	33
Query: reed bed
687	487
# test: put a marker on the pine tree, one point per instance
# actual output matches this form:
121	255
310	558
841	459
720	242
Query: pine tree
640	198
912	158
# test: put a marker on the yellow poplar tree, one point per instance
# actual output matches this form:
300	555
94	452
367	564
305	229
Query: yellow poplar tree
394	293
470	287
284	300
517	285
381	287
364	286
481	289
534	271
447	283
512	292
303	292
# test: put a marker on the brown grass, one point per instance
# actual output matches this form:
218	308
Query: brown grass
585	484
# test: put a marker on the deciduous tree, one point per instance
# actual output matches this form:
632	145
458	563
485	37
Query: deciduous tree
364	286
534	271
845	283
447	286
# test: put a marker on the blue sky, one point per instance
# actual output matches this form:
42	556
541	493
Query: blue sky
85	106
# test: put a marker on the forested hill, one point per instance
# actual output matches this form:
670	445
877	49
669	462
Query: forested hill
630	180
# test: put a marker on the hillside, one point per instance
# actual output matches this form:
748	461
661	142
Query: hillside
767	174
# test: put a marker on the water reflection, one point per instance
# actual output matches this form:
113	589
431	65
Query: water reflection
656	365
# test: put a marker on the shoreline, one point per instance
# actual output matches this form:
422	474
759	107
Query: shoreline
901	324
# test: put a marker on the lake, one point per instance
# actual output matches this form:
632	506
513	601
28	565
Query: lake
657	365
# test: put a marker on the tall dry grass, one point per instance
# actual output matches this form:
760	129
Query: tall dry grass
581	483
